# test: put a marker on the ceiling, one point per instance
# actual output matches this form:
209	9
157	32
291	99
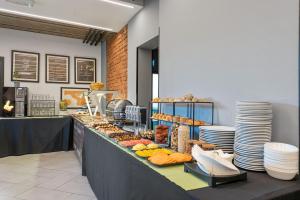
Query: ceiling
82	19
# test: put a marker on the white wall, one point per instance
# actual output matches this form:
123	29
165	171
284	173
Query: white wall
26	41
233	50
143	27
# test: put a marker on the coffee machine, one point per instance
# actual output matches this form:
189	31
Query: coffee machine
14	101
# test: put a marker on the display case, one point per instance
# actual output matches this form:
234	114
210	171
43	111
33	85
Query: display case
193	111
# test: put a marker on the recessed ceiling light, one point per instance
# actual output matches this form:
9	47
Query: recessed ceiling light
118	3
55	19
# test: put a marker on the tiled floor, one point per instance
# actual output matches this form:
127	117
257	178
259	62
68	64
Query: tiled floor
50	176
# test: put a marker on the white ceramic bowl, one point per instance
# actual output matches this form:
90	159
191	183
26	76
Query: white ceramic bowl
282	166
278	156
281	169
281	175
281	148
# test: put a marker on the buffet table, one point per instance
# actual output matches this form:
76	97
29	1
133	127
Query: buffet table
29	135
116	173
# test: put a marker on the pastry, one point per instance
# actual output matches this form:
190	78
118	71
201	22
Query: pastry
181	157
139	147
207	147
152	146
156	100
147	134
169	118
150	152
183	120
161	159
130	143
199	123
96	86
126	137
191	143
189	122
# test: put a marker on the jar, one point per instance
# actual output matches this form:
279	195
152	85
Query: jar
161	134
183	137
174	137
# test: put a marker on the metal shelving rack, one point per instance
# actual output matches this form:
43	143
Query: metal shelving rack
191	107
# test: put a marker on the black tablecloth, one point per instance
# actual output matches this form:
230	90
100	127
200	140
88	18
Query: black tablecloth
259	186
20	136
115	175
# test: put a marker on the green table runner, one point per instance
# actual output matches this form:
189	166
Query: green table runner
175	173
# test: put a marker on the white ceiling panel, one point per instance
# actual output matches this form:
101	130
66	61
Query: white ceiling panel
96	13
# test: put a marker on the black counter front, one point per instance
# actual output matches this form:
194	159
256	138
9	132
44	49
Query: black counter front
115	175
20	136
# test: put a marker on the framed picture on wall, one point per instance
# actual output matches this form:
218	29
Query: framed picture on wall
85	70
25	66
74	97
57	68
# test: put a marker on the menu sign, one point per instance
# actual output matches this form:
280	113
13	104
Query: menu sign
25	66
57	68
85	70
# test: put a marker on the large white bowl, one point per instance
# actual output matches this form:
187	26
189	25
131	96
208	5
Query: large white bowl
280	169
281	148
280	157
293	166
281	175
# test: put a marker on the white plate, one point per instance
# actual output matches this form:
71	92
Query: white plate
218	128
249	167
248	102
253	123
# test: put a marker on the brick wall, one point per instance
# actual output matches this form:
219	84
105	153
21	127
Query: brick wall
117	61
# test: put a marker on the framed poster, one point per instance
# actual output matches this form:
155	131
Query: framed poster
74	97
57	68
85	70
25	66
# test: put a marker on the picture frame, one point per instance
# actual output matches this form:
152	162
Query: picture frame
25	66
85	70
57	69
73	96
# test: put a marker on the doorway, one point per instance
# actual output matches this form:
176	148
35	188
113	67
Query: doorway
147	72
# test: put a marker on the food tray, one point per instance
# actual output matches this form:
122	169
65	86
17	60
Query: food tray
213	181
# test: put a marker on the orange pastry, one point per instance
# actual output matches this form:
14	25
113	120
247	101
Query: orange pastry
181	157
199	123
161	158
189	122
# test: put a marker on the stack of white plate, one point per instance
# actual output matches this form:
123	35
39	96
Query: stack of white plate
221	136
281	160
253	130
